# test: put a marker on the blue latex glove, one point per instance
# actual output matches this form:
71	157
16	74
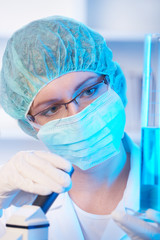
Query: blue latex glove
137	228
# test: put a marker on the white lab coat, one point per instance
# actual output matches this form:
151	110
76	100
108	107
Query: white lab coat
63	218
64	224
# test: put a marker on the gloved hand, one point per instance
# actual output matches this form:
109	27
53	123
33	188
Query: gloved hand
138	229
30	173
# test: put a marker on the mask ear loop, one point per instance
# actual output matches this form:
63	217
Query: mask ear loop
38	126
33	124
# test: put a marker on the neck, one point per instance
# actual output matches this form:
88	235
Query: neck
103	183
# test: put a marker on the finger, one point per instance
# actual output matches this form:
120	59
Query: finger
153	215
27	185
31	187
49	170
32	180
55	160
136	227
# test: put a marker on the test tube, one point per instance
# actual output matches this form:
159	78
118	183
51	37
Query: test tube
150	125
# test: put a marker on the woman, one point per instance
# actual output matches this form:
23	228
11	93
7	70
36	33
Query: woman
59	80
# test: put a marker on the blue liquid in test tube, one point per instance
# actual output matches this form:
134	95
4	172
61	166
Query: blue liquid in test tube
150	175
150	138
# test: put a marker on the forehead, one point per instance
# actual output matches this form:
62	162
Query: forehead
71	79
66	82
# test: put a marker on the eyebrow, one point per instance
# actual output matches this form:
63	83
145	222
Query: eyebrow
51	101
85	81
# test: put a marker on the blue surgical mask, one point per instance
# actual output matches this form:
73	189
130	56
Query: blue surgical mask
89	137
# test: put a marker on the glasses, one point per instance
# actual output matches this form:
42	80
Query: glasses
82	100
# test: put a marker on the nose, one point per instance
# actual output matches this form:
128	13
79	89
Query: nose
72	108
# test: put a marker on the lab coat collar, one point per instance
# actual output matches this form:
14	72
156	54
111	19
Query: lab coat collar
132	191
69	228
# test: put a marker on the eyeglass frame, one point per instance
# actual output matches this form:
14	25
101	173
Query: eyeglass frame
105	80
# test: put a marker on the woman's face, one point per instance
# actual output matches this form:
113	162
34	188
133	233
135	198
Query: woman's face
62	90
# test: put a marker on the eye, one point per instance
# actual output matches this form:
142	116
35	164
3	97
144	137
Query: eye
89	91
51	110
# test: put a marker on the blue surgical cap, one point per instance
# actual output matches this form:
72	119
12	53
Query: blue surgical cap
46	49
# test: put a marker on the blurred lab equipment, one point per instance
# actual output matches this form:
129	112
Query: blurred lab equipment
27	223
150	124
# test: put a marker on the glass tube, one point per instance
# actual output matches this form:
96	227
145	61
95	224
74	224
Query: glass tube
150	125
